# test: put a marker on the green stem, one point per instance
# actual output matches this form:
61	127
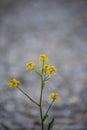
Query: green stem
28	96
49	107
41	114
46	78
42	86
37	72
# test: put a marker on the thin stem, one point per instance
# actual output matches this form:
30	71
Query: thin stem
37	72
41	114
28	96
49	107
42	86
46	78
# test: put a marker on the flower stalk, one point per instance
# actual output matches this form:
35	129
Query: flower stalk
46	114
44	72
28	96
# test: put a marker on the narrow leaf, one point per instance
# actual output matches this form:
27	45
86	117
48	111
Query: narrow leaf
50	125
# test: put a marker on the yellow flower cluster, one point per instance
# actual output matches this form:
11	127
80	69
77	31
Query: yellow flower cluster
45	67
48	69
51	70
30	65
43	57
54	96
13	83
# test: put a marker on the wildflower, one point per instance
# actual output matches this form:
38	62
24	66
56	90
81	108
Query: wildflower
50	70
43	57
13	83
30	65
44	68
54	96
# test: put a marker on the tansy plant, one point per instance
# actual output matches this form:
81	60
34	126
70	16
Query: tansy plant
44	72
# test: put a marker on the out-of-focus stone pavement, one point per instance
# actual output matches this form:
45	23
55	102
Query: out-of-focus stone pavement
59	29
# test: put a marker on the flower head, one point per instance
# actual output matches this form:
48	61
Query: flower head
54	96
48	69
43	57
13	83
44	68
51	70
30	65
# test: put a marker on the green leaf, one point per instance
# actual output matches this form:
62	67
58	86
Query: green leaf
44	118
50	125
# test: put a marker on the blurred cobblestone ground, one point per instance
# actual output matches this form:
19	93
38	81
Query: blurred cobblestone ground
59	29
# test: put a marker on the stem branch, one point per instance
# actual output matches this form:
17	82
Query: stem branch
28	96
49	107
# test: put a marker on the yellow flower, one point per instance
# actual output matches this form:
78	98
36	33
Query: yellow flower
43	57
30	65
13	83
54	96
51	69
48	69
44	68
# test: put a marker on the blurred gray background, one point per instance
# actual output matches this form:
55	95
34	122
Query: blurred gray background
57	28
